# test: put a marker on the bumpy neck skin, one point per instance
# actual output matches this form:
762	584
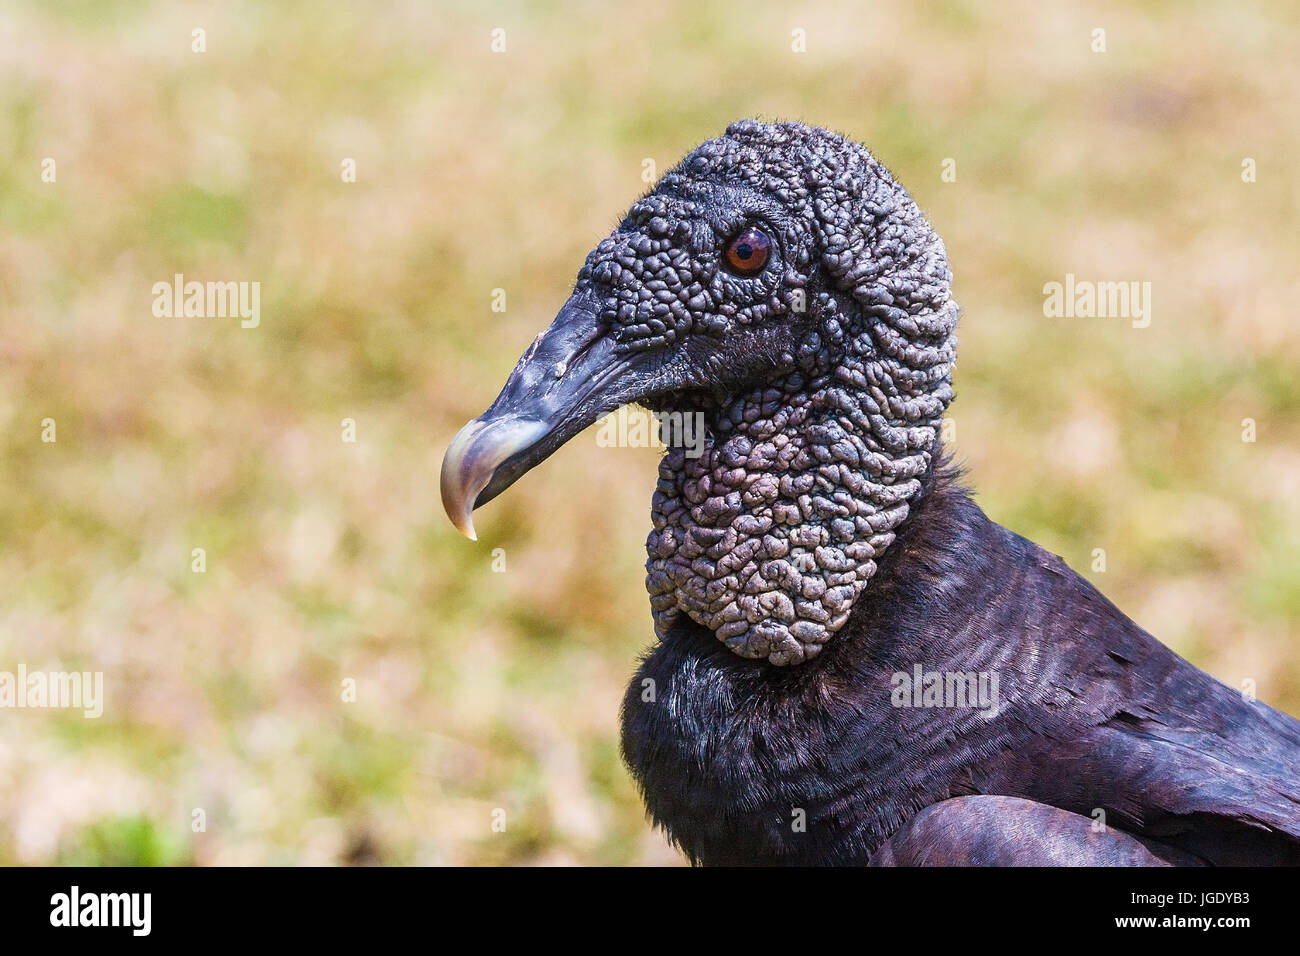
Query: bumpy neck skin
771	534
823	377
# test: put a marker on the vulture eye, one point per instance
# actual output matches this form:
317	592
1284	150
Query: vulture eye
747	253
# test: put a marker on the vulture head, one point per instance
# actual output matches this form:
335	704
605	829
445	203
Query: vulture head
779	283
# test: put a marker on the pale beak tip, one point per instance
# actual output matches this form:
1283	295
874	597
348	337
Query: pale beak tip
473	456
464	523
458	481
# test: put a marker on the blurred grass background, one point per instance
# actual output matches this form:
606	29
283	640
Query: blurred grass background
476	689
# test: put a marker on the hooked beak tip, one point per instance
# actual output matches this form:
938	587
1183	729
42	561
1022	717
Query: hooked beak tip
473	457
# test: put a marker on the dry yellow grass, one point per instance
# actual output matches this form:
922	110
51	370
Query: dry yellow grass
329	561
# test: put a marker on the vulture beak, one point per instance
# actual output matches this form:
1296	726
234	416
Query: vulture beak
570	376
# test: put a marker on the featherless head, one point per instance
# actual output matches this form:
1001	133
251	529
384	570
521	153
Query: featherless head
780	284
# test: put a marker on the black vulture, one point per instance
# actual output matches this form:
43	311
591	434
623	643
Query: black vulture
854	665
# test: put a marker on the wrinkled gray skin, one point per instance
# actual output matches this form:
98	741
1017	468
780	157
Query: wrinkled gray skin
769	537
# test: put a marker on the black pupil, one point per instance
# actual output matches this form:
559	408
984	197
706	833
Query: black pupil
744	250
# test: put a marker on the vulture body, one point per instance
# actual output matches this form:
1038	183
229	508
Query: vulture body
1094	715
854	665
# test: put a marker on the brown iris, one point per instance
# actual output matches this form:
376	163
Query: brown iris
747	253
